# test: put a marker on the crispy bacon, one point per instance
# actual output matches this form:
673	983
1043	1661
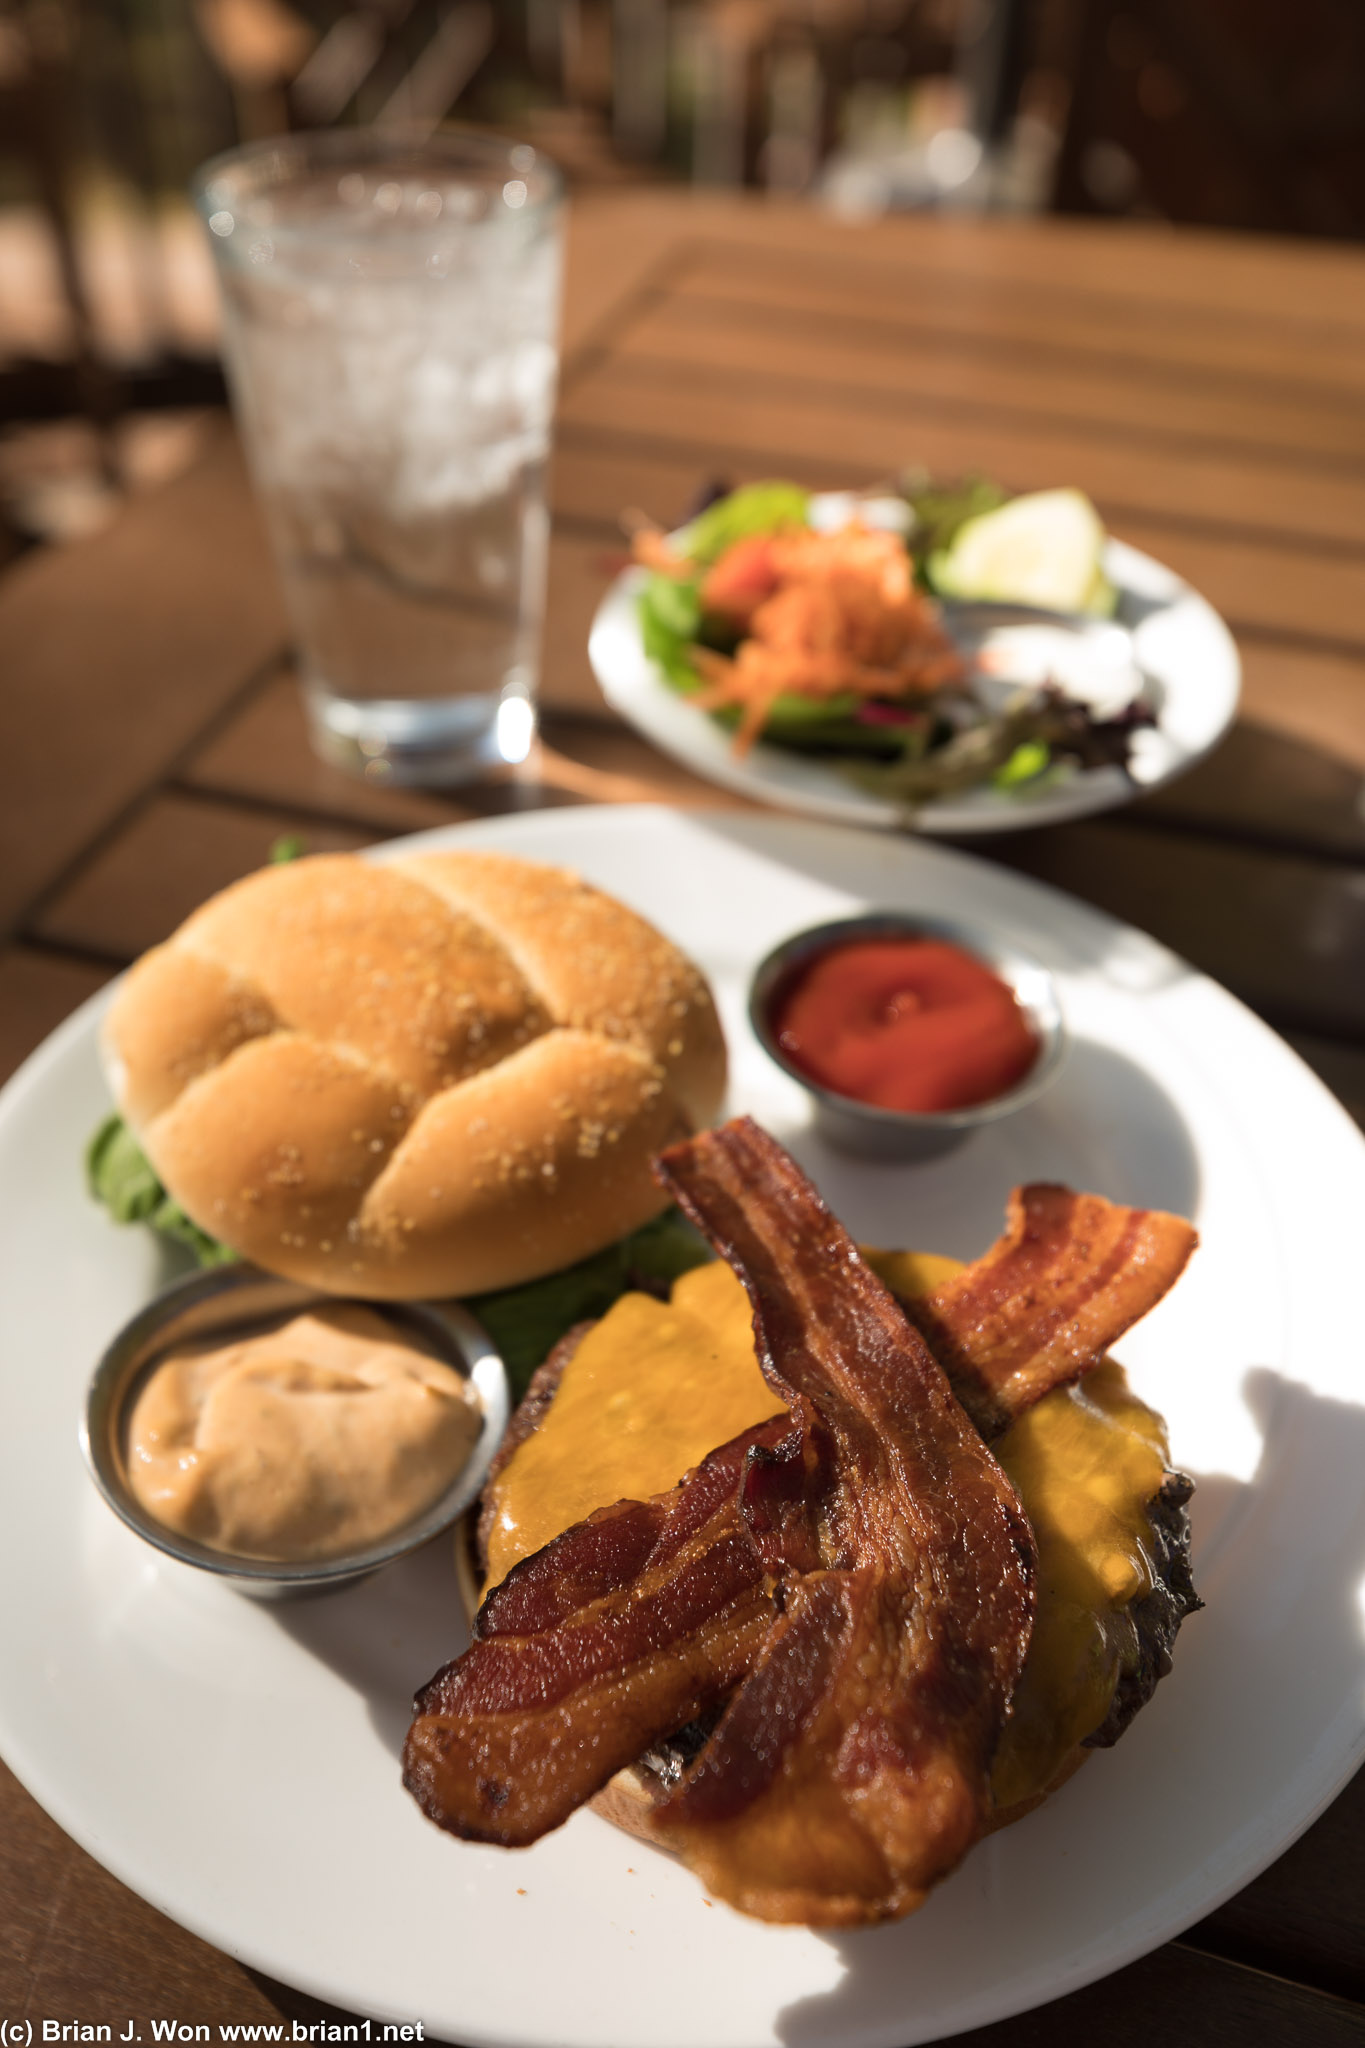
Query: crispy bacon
850	1771
1069	1276
626	1627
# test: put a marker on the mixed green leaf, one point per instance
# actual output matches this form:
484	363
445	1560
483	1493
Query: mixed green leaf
906	751
942	510
753	508
526	1322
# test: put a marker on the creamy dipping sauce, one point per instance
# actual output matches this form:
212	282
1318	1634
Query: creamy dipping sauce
312	1439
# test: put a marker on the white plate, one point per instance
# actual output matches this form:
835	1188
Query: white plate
237	1765
1180	642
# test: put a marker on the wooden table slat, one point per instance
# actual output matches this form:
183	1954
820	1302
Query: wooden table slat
37	991
1178	1993
1309	597
1290	428
1314	698
263	756
1301	1917
1341	1069
1269	789
1310	291
177	608
169	857
679	402
1284	934
923	298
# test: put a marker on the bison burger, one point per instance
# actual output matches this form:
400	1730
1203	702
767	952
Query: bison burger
792	1668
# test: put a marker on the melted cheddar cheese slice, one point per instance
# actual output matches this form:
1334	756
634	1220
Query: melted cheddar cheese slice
656	1385
651	1389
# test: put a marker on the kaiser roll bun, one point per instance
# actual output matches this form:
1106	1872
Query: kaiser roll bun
436	1075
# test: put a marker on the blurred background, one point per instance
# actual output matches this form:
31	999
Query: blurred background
1241	114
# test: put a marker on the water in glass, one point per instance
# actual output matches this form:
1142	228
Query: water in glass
389	331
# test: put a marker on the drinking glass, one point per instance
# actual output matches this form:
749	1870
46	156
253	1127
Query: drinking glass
389	334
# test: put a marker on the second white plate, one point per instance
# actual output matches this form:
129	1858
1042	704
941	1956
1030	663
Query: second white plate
1179	641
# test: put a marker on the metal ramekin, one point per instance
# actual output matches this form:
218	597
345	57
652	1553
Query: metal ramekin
900	1134
232	1299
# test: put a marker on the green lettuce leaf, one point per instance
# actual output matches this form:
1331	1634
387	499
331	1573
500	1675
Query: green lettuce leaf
942	509
792	716
671	609
1029	759
670	619
119	1174
753	508
526	1322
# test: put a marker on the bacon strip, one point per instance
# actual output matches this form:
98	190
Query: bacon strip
625	1628
1069	1276
850	1771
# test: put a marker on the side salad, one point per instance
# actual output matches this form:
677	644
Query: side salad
812	623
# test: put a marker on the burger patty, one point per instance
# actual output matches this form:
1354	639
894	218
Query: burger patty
527	1417
1154	1618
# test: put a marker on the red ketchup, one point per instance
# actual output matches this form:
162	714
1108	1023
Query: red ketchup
904	1023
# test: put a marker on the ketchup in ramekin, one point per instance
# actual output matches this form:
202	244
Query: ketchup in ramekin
905	1022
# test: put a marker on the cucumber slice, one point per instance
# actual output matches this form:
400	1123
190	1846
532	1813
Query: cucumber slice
1042	549
1102	598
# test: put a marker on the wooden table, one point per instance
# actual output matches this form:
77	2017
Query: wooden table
1208	393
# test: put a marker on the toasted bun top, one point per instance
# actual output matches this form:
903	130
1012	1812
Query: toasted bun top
434	1076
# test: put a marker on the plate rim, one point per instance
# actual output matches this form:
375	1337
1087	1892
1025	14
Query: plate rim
1329	1775
1083	795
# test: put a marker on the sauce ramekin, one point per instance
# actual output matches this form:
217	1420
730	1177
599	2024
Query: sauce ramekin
234	1299
865	1127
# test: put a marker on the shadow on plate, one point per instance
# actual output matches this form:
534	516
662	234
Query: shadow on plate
1107	1127
1069	935
1133	609
1135	1131
388	1635
1261	1674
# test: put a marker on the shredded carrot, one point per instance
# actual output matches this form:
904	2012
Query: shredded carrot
649	546
844	618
